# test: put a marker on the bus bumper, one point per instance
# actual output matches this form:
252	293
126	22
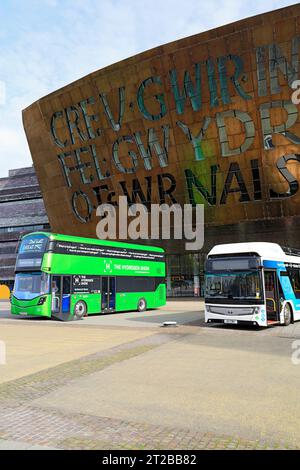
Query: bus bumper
30	307
254	315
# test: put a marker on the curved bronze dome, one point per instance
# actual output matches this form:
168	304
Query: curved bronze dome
205	119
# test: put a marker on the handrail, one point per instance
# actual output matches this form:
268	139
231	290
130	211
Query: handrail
272	300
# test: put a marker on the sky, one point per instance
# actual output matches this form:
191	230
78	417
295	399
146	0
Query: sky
46	44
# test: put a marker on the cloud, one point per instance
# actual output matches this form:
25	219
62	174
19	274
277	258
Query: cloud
45	45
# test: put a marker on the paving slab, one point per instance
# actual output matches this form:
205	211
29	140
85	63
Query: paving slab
6	444
226	384
34	347
121	382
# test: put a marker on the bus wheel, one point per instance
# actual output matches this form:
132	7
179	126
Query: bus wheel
80	309
287	315
142	305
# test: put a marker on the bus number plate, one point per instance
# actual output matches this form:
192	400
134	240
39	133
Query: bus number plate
231	321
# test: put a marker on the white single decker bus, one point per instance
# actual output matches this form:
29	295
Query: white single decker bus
252	283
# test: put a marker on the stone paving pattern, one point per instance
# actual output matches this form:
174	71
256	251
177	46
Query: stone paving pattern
30	426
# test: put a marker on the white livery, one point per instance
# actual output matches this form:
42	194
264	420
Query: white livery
253	283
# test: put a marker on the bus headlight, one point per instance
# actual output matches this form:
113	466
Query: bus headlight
256	310
42	300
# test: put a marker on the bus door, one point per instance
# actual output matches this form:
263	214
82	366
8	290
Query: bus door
66	294
56	294
61	296
272	297
108	294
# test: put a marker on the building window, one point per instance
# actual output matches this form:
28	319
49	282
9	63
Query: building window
25	228
185	276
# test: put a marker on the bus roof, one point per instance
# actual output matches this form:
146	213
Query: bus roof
266	250
96	241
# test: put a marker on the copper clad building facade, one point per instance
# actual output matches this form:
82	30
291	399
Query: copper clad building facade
206	119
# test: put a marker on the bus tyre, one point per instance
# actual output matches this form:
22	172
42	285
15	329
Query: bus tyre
80	310
142	305
287	314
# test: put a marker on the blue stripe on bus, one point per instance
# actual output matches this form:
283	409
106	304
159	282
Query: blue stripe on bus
274	264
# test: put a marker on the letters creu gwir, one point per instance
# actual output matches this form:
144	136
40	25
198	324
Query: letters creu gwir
205	119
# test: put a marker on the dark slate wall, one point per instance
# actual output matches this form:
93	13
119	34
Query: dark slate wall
21	209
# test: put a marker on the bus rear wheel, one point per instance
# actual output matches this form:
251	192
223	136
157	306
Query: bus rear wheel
287	314
142	305
80	309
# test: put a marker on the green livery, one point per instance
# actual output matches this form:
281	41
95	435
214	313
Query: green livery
68	277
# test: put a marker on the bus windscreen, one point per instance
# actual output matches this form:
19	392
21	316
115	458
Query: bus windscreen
237	286
30	285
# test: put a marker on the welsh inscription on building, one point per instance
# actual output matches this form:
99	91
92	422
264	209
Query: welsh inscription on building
207	119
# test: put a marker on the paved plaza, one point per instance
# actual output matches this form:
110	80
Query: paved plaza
122	381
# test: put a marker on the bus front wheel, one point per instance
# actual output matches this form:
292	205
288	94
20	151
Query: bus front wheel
80	309
142	305
287	313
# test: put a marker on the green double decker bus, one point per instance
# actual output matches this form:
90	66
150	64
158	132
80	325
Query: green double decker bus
69	277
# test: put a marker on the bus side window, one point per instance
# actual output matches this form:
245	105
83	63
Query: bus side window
297	283
294	275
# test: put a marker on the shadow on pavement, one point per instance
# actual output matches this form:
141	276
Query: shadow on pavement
7	315
181	318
